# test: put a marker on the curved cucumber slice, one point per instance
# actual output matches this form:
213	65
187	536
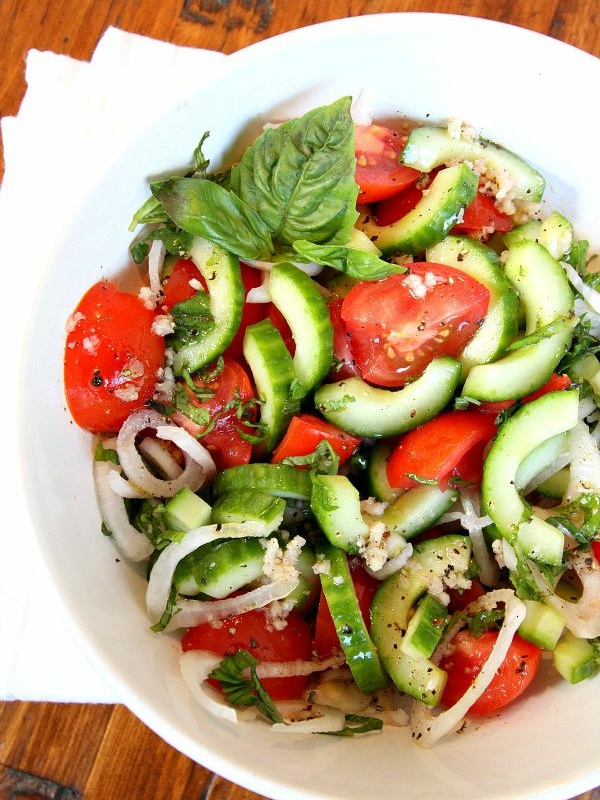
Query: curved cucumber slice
392	609
540	459
280	480
429	147
361	655
366	410
273	372
527	429
221	272
241	505
450	192
425	627
335	502
219	568
297	297
499	327
555	233
417	509
377	479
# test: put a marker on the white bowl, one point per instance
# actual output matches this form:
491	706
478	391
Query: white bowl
531	93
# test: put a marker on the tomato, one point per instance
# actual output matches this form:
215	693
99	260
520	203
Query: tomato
466	659
481	216
435	449
394	208
344	365
112	357
326	639
398	325
596	550
176	287
250	631
460	600
379	172
556	383
304	433
226	444
279	321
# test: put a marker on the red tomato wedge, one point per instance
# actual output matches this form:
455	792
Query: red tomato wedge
225	442
112	358
398	325
344	365
177	287
482	216
466	659
379	172
326	639
434	450
304	433
250	631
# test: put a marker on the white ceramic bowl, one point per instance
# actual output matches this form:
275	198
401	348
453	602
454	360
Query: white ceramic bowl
534	95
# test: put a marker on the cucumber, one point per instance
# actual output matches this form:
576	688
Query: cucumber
220	568
393	606
425	628
279	480
555	233
499	327
435	214
575	659
186	511
241	505
528	230
587	368
555	487
379	486
543	625
274	377
221	272
529	427
366	410
335	502
417	509
361	656
428	147
540	459
297	297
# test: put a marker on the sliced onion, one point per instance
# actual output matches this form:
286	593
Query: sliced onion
583	617
122	487
427	727
474	524
309	268
161	577
589	294
584	474
195	667
160	457
393	565
290	669
133	545
156	258
326	720
199	466
260	294
362	108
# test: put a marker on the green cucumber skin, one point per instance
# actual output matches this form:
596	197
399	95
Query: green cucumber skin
219	568
361	655
280	480
575	659
299	300
378	413
500	324
222	274
417	509
186	510
335	502
450	192
543	625
528	428
425	628
273	372
242	505
379	486
428	147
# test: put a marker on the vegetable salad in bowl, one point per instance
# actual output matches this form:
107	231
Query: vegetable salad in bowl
348	424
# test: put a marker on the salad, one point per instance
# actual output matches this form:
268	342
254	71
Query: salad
348	423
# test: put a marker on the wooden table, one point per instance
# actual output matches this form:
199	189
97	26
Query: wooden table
95	752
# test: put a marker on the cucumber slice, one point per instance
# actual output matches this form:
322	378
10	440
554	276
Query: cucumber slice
242	505
220	568
335	502
297	297
428	147
425	627
540	459
366	410
393	606
273	372
378	483
543	625
221	272
499	327
186	511
575	659
450	192
531	425
417	509
279	480
528	230
555	487
361	655
556	235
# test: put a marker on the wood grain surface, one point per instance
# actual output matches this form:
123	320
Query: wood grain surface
70	751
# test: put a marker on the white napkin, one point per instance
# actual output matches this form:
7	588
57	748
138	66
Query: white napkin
70	109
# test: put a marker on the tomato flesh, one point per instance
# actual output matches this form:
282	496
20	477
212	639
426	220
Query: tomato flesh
251	631
379	172
466	659
304	433
225	442
481	217
435	450
176	287
112	358
398	325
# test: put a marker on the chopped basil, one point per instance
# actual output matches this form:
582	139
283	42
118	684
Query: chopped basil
355	263
241	685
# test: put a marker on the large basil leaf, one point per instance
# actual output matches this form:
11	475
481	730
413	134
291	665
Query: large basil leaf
355	263
299	176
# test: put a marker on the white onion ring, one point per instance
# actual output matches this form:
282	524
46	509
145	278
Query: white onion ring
328	721
583	617
260	294
156	257
160	457
310	268
290	669
589	294
195	667
474	523
161	577
199	466
122	487
428	728
584	474
133	545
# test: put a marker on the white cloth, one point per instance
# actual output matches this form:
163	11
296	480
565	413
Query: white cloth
71	109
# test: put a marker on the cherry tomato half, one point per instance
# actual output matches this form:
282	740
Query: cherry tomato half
379	172
304	433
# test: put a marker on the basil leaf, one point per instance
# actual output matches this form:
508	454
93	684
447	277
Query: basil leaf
205	208
192	318
241	685
299	177
355	263
545	332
